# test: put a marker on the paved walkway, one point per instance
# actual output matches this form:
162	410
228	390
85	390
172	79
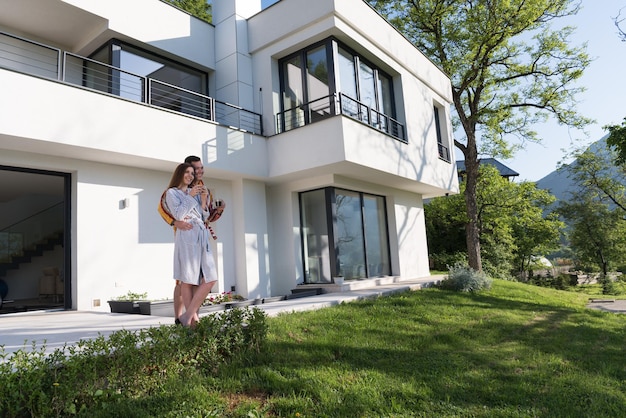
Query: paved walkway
53	330
609	305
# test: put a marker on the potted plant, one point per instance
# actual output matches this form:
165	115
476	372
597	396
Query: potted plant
128	303
338	280
163	307
220	302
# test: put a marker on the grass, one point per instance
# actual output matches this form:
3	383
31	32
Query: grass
514	351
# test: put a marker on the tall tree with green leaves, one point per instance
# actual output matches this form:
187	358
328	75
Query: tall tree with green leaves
596	208
599	173
597	234
201	9
511	217
509	68
617	141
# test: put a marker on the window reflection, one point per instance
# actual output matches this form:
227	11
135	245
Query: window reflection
355	245
309	80
137	63
349	244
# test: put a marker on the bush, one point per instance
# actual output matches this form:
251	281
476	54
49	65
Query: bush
441	261
463	278
561	282
93	374
608	285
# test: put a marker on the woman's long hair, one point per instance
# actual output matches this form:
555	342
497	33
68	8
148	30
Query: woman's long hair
179	175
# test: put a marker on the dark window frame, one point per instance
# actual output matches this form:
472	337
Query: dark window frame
113	60
332	45
330	194
442	148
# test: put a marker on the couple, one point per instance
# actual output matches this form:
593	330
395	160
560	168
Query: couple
187	205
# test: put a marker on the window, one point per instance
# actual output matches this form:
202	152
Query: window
174	84
344	233
444	151
311	79
305	88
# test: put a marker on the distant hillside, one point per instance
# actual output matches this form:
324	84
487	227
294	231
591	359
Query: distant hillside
558	182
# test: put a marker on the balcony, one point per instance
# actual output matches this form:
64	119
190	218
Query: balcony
36	59
339	104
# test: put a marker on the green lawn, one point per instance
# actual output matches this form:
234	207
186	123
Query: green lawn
514	351
517	350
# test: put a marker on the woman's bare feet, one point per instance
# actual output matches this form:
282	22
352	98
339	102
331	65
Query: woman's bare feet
189	321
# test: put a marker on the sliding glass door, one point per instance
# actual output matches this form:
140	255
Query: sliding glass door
344	233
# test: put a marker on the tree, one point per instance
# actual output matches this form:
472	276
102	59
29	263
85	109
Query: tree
509	71
598	173
198	8
617	141
596	208
510	216
597	233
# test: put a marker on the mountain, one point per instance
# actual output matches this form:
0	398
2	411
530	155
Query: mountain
559	183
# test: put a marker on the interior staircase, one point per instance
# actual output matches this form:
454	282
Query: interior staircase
37	250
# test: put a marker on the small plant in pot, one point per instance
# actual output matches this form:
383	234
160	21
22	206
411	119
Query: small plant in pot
128	303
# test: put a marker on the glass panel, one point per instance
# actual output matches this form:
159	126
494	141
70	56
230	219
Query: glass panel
347	84
293	96
348	226
437	125
385	105
376	242
385	102
137	65
147	65
315	237
30	58
367	88
347	78
317	84
317	73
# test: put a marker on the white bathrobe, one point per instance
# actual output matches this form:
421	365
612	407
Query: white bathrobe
193	259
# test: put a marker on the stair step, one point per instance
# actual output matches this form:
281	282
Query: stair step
301	293
47	244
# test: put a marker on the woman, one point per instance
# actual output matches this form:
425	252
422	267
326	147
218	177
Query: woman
194	266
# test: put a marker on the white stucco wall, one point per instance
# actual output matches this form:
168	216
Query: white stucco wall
418	84
117	150
157	24
114	249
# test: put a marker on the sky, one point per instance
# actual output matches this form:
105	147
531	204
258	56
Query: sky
604	100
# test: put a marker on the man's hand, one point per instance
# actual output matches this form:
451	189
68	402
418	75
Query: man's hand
182	225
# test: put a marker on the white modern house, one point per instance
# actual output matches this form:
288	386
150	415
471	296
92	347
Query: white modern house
317	122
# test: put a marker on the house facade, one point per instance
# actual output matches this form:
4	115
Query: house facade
322	131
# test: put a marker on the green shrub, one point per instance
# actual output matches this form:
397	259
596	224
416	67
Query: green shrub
561	282
441	261
132	296
608	285
463	278
91	375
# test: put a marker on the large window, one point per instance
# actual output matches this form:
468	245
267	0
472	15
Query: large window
344	233
175	85
314	76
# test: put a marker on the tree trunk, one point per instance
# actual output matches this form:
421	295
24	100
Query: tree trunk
472	228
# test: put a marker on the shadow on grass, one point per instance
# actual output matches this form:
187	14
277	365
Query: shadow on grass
474	351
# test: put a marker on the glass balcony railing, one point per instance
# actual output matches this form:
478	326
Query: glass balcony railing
33	58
